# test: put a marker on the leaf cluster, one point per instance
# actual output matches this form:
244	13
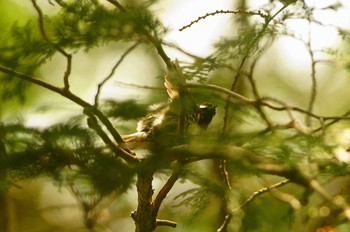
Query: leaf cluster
84	24
29	153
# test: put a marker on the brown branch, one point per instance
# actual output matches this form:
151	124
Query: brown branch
161	222
313	75
58	48
88	108
250	46
341	204
144	217
254	86
192	153
93	124
333	121
228	98
117	4
161	89
31	79
222	90
166	188
259	13
250	199
100	85
264	101
156	42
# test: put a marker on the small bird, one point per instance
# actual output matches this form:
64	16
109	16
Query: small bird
165	124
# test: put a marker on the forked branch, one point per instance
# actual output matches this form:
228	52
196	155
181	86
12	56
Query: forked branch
58	48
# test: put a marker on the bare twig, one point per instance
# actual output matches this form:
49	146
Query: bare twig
254	86
222	90
161	89
313	75
99	87
250	199
228	98
58	48
252	44
333	121
225	174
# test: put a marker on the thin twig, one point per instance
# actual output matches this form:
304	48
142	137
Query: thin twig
58	48
228	98
333	121
259	13
166	188
264	101
254	86
252	44
250	199
342	204
120	83
222	90
99	87
313	75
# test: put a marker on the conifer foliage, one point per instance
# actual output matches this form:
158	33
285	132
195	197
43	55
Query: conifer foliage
267	161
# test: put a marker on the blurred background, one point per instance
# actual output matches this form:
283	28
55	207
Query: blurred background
283	72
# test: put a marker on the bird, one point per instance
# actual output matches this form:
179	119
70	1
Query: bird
165	124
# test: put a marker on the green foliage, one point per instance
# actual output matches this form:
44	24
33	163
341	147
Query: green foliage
245	144
82	24
23	49
31	153
197	199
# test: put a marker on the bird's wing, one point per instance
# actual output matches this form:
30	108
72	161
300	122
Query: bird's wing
180	96
175	84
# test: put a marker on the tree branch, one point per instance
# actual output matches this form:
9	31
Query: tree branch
117	4
166	189
88	108
58	48
93	124
313	75
259	13
250	199
100	85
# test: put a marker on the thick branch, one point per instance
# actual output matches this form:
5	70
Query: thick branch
145	218
93	124
88	108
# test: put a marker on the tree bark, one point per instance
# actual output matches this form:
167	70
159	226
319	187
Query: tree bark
145	216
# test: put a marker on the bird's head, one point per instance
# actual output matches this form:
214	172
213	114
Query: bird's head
206	112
